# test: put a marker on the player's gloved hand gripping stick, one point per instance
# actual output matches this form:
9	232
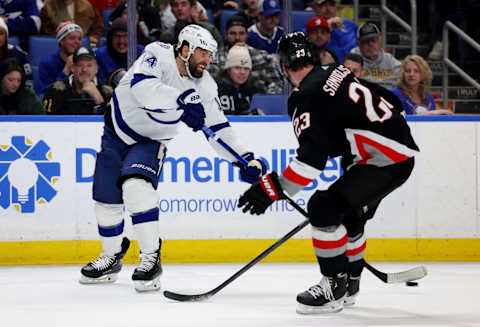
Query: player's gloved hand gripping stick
409	275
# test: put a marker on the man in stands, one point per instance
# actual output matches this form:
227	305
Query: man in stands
265	34
58	65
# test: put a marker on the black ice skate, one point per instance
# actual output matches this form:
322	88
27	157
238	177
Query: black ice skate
147	275
105	269
325	297
353	287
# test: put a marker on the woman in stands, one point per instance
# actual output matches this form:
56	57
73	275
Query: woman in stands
15	97
81	12
235	87
413	88
10	50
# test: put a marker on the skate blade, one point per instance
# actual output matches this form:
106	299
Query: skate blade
100	280
331	307
147	285
350	301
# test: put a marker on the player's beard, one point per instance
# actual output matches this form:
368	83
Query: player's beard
194	69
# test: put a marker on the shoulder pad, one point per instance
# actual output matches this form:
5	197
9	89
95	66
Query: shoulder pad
59	85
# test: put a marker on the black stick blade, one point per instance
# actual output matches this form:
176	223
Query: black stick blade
187	297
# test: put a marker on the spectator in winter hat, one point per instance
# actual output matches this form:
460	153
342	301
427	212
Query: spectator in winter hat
235	85
112	59
264	70
58	65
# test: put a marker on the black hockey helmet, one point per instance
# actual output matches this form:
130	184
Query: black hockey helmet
294	50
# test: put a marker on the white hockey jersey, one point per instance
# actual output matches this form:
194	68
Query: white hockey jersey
144	104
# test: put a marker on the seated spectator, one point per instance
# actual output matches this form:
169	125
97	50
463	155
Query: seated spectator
148	20
343	31
112	59
265	34
58	65
81	93
15	97
318	33
379	66
354	62
413	88
80	12
263	64
183	10
22	18
235	85
9	50
250	11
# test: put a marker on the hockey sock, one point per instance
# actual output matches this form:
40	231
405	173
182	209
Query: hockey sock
110	226
330	244
356	246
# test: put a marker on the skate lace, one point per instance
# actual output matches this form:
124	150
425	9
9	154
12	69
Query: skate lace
102	262
147	261
324	288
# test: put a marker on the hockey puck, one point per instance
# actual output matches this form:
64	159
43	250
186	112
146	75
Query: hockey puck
411	283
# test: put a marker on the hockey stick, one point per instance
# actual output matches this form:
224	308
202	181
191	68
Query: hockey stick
204	296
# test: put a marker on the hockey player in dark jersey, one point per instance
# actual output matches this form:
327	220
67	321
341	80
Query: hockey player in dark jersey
335	114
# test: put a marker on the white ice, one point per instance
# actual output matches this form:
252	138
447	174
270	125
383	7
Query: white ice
264	296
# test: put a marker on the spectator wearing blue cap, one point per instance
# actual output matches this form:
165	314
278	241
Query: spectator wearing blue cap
265	34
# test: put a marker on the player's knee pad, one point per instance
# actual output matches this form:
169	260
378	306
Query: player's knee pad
324	209
109	219
139	195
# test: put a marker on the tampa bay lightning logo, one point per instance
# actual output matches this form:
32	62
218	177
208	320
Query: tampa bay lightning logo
27	174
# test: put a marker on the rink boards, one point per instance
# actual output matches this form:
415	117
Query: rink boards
46	211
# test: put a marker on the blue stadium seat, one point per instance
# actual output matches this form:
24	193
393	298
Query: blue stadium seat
105	16
211	20
224	17
36	79
300	18
271	104
13	40
42	46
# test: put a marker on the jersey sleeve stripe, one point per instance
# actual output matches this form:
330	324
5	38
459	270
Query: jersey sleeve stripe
137	78
295	178
300	173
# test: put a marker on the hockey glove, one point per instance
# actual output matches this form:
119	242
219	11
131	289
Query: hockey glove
193	111
261	194
256	168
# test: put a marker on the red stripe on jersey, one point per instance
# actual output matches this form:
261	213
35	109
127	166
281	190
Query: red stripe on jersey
292	176
361	140
357	250
325	245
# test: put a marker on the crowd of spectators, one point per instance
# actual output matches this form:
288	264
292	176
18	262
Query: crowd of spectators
245	63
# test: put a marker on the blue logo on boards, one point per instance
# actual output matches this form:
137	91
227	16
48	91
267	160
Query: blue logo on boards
27	174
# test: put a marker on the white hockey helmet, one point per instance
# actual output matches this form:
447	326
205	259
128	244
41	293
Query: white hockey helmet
197	37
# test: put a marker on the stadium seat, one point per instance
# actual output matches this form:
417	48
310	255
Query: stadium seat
300	18
105	16
36	79
42	46
224	17
270	104
13	40
211	20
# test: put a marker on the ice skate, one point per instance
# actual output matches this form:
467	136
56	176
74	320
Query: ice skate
105	269
353	288
325	297
146	276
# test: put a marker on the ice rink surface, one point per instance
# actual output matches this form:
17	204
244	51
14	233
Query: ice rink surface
264	296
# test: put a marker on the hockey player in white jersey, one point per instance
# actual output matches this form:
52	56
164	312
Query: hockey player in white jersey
164	88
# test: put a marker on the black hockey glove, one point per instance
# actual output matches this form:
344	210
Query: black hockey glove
193	111
256	168
261	194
